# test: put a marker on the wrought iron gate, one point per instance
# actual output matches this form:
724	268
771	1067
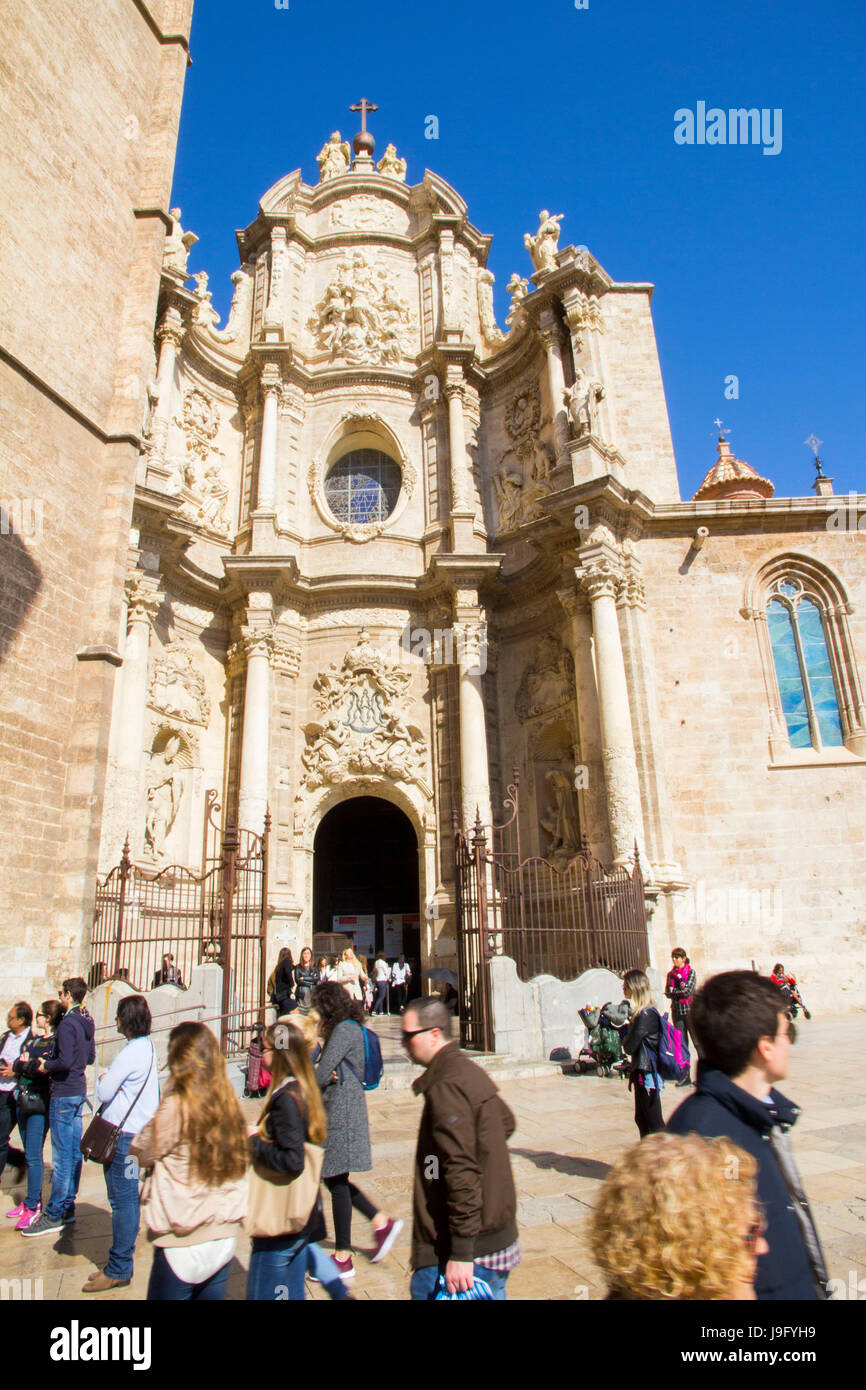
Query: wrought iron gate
216	916
551	917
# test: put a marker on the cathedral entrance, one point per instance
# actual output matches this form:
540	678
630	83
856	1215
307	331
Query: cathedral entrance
365	882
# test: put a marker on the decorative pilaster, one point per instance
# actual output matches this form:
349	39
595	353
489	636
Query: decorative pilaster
462	511
143	602
169	335
470	632
265	495
273	319
598	575
548	332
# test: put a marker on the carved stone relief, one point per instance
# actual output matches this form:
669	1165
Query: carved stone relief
522	475
362	317
548	683
199	482
364	213
167	779
363	733
176	687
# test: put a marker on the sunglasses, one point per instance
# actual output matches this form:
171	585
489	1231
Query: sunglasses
406	1035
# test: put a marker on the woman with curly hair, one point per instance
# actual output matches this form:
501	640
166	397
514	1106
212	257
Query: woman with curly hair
678	1218
339	1072
195	1197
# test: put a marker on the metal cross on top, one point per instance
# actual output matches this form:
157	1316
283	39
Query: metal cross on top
718	424
363	106
813	443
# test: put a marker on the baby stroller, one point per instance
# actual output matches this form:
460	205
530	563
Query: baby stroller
603	1048
257	1080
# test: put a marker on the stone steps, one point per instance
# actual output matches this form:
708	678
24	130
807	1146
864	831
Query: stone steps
399	1073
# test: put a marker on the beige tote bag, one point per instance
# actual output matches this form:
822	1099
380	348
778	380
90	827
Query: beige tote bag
280	1205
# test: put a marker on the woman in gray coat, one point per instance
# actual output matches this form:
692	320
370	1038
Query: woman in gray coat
340	1072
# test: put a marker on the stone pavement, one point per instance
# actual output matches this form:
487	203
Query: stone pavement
569	1130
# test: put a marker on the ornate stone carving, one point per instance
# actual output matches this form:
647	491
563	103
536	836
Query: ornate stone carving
490	329
543	246
548	683
200	483
599	578
359	617
204	314
191	613
333	158
143	599
243	283
171	328
256	641
362	316
560	817
165	790
581	402
630	592
364	732
178	245
176	687
279	261
518	288
518	488
286	656
523	418
391	165
364	212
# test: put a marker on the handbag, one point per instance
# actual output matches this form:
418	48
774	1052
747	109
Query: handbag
29	1103
100	1139
280	1205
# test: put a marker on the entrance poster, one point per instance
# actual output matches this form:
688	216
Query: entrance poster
362	929
392	942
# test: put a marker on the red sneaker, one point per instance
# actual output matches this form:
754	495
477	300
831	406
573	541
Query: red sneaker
385	1237
346	1268
14	1214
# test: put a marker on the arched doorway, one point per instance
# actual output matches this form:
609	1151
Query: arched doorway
365	880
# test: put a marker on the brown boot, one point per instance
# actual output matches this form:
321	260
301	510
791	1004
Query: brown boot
101	1283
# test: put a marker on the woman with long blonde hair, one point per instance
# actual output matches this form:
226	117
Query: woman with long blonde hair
293	1116
195	1197
641	1042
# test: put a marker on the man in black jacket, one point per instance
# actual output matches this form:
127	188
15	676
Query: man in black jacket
745	1038
18	1019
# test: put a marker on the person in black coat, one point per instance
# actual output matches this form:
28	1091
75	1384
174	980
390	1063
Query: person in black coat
740	1022
306	977
284	983
641	1043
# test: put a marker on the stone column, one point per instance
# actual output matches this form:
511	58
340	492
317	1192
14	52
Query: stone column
462	510
592	797
470	632
169	334
598	575
266	494
258	644
548	332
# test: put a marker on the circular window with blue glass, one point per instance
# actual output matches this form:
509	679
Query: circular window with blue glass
363	487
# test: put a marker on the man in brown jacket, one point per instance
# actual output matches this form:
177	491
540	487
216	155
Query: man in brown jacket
464	1206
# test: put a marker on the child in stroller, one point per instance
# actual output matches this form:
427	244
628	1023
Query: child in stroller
603	1047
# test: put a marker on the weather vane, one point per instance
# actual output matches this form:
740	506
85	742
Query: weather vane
722	432
814	444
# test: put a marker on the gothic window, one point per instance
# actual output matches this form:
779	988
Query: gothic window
363	486
810	672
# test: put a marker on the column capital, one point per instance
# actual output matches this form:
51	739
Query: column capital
143	598
286	656
454	387
271	379
630	591
171	327
256	641
599	576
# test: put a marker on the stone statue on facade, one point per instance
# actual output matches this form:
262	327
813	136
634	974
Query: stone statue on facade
543	246
518	288
334	158
362	316
581	402
178	245
560	816
164	795
205	314
392	165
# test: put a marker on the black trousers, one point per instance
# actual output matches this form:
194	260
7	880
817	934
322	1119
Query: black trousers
398	997
647	1111
344	1196
8	1121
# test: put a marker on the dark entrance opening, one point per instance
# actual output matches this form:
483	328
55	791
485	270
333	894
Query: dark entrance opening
366	866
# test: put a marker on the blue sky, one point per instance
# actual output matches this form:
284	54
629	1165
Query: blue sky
756	258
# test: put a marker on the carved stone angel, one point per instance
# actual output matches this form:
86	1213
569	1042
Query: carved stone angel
334	158
518	288
543	246
178	244
489	327
581	402
392	165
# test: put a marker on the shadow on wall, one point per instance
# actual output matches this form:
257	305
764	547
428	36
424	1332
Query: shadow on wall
20	580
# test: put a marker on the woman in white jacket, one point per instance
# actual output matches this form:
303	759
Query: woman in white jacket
129	1092
196	1195
350	973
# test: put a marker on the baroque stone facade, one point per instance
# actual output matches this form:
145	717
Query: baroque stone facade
383	548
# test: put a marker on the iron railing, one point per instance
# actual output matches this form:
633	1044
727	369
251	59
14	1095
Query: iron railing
216	916
555	917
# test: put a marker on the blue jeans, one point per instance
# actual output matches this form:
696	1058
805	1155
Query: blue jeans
33	1130
277	1268
381	996
424	1281
121	1181
165	1287
322	1267
64	1121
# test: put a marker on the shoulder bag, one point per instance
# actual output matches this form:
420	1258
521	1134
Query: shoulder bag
100	1139
280	1205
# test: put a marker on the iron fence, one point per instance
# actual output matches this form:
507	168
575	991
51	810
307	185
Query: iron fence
556	917
217	916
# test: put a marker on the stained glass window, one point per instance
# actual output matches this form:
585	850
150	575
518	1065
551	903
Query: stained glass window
363	486
803	670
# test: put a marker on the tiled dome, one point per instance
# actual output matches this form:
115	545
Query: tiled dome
732	479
